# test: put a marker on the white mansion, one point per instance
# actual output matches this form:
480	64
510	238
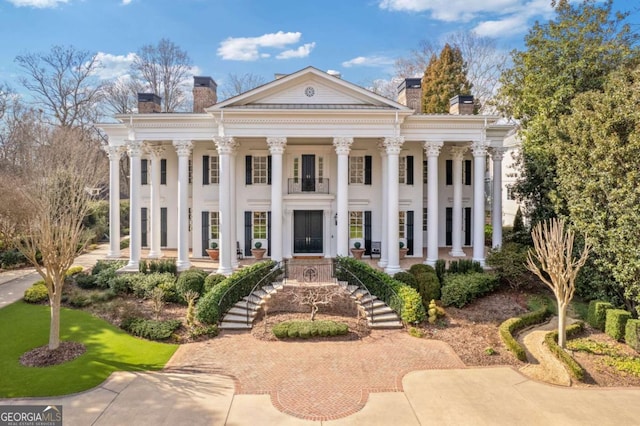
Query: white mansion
307	165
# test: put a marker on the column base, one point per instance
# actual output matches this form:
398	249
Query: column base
224	271
457	253
132	266
496	245
154	255
183	265
113	254
430	262
392	270
383	263
480	260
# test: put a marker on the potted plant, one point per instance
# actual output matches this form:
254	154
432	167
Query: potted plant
356	251
403	251
213	251
258	251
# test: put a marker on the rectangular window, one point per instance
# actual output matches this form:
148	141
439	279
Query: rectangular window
296	170
402	167
356	225
424	219
510	193
449	172
163	171
259	225
259	169
356	170
190	170
401	222
214	169
214	226
467	172
425	172
320	169
144	172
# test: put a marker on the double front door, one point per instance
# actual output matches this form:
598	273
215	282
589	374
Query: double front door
307	231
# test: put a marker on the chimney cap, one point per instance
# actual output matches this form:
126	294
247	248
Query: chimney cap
410	83
204	81
149	97
461	99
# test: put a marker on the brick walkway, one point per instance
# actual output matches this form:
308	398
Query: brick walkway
316	380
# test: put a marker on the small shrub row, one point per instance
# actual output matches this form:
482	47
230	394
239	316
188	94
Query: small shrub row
597	314
11	258
551	340
464	266
508	262
150	329
107	264
37	293
512	326
616	322
308	329
460	289
632	334
160	266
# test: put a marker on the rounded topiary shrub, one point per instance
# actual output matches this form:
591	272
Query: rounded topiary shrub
37	293
406	278
211	281
191	280
421	268
428	287
85	281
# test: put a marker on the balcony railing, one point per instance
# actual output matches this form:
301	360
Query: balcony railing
308	186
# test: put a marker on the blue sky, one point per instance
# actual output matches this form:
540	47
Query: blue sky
359	38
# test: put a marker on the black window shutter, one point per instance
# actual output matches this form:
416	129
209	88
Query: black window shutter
467	172
449	172
205	232
410	231
248	174
143	227
409	169
144	171
467	226
163	171
269	170
269	233
367	169
448	226
205	170
163	226
247	233
367	232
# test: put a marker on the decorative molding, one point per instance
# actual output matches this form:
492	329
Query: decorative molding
113	152
183	147
382	149
497	154
135	148
155	151
457	152
393	144
432	148
342	145
479	148
276	145
225	144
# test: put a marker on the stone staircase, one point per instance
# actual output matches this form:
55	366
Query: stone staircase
243	313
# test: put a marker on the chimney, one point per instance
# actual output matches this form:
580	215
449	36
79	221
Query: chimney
462	105
410	93
149	103
205	93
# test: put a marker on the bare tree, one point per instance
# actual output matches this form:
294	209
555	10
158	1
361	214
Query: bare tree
317	296
236	84
552	261
64	84
5	98
43	213
386	88
119	96
22	132
164	68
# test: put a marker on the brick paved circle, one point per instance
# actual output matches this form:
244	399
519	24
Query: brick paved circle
317	380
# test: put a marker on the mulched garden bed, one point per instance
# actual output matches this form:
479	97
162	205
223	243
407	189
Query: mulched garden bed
44	357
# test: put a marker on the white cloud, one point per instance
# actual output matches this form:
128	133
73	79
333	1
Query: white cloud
38	4
500	27
113	66
301	52
248	48
368	61
126	2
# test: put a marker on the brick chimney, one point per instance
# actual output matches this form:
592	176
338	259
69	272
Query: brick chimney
205	93
410	93
461	105
149	103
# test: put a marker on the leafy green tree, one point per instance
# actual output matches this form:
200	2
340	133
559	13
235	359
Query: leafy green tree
564	57
444	77
599	176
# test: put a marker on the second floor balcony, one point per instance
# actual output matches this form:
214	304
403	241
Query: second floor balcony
308	186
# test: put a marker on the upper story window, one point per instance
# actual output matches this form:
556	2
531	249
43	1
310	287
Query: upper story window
405	167
258	169
356	169
214	169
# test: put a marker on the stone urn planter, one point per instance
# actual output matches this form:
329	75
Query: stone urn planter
258	252
213	251
356	251
403	251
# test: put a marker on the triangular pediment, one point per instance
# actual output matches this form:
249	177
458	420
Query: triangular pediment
309	88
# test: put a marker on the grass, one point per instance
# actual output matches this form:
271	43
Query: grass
109	349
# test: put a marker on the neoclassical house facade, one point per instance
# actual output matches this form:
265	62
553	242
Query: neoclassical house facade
307	165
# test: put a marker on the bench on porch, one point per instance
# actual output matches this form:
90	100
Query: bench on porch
376	249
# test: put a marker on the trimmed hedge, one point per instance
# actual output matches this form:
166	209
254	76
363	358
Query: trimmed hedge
208	310
551	339
460	289
407	278
428	287
597	314
512	326
632	334
151	329
211	281
191	280
36	293
616	322
308	329
421	268
408	304
464	266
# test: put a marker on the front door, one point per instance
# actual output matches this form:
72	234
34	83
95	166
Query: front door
307	231
308	173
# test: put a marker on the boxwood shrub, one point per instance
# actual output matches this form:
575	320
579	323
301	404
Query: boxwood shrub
85	281
632	334
616	322
191	280
37	293
460	289
428	287
509	328
597	314
407	278
211	281
150	329
308	329
551	340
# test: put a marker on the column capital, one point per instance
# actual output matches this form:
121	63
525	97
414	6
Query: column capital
135	148
432	148
225	144
277	144
342	145
479	148
457	152
497	153
382	149
155	151
113	152
393	144
183	147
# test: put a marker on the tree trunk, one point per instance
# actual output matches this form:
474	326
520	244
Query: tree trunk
314	310
562	329
54	329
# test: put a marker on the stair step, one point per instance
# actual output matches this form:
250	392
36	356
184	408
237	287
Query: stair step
269	289
343	284
360	293
277	285
244	305
386	325
253	299
237	318
242	311
259	293
385	317
352	288
234	326
366	299
383	310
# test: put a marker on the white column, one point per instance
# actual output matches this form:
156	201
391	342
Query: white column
135	152
384	229
479	150
226	147
457	155
114	153
327	233
343	147
183	149
496	212
393	146
432	150
288	237
276	148
234	215
155	152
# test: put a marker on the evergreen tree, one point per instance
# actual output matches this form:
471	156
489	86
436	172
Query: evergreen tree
444	78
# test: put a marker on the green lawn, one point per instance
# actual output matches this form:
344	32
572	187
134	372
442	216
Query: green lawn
24	327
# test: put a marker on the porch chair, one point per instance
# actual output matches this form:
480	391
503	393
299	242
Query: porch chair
376	249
